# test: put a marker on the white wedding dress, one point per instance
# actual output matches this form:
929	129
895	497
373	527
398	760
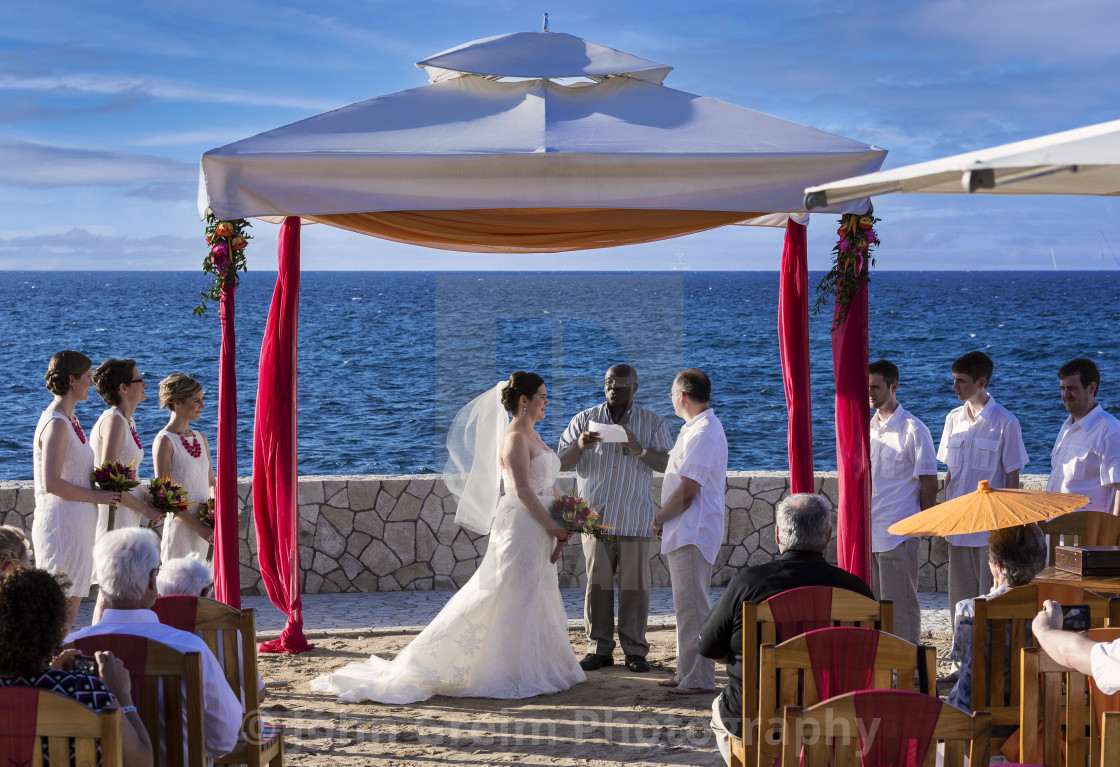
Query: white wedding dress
503	635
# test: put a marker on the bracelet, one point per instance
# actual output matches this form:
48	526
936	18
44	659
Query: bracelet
644	451
128	710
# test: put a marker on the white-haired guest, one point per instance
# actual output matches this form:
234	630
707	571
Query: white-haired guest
126	563
187	575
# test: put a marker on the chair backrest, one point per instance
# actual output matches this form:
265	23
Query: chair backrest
32	716
821	664
996	665
170	697
1058	698
888	727
760	626
1110	739
1081	528
1101	703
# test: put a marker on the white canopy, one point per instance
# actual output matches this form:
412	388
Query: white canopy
1081	161
609	155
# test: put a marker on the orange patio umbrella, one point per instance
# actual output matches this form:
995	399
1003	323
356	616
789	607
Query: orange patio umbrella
988	508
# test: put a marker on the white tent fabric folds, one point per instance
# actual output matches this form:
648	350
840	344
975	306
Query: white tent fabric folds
1080	161
619	142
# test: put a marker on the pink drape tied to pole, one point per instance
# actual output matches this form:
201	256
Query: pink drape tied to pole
227	563
793	344
853	438
274	449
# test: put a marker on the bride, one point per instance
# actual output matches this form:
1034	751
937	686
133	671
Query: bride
505	633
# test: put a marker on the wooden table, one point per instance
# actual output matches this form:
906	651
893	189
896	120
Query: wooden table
1101	584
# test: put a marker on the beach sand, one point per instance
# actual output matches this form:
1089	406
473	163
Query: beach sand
614	717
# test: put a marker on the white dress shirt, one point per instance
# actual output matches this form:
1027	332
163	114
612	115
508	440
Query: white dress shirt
222	708
700	454
1086	459
988	447
901	451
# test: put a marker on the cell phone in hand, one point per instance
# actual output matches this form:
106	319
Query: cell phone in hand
86	664
1075	617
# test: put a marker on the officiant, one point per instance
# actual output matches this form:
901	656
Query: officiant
614	448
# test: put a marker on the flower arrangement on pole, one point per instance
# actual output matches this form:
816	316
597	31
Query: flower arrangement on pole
851	263
225	257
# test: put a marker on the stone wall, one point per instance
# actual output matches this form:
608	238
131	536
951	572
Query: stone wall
371	533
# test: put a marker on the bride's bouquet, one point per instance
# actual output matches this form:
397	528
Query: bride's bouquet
167	496
577	516
114	476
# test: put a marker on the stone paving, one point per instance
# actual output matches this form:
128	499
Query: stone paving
397	612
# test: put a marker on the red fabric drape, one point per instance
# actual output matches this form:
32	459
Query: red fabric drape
177	611
793	343
843	659
275	512
907	721
227	564
132	651
19	713
853	438
796	611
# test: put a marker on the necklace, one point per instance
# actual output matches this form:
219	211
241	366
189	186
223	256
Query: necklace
135	436
193	448
78	429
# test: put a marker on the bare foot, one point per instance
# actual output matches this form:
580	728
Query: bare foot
688	690
668	683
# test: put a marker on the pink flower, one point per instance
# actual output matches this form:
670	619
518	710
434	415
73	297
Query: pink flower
844	245
221	249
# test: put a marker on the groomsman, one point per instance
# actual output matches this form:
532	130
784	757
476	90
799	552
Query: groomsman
981	440
616	478
1086	456
690	523
903	482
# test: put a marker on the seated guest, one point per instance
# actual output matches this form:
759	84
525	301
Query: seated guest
15	551
126	562
32	620
802	529
186	575
1100	660
1015	556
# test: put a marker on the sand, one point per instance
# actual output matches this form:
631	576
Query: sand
615	717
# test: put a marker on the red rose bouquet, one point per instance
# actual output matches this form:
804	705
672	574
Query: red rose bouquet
114	476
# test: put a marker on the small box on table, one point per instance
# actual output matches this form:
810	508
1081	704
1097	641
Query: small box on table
1088	560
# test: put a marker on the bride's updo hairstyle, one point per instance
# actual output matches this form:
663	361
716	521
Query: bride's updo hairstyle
63	365
520	384
176	388
109	376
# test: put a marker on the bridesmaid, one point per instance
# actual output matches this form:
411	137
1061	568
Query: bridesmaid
114	438
65	521
184	455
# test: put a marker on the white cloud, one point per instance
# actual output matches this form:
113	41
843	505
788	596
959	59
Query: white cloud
23	163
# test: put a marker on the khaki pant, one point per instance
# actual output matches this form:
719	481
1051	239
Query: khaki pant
630	564
894	576
691	577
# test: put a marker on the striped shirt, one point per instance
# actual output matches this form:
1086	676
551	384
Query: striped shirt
617	484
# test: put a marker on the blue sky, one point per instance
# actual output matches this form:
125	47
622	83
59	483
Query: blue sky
105	109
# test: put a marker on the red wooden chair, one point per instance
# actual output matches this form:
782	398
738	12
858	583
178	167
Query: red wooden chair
828	662
883	727
31	718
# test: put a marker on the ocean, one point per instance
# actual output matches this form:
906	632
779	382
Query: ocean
387	358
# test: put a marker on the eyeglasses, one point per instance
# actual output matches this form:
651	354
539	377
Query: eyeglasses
136	380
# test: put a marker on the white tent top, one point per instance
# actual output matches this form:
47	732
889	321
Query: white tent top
540	54
1080	161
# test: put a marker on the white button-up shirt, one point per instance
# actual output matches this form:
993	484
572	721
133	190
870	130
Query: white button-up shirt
222	714
1104	660
1086	459
700	454
988	447
901	451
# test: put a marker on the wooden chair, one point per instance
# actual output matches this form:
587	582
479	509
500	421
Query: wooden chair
846	608
1081	528
904	728
1110	739
1058	698
996	665
821	664
68	727
167	691
231	634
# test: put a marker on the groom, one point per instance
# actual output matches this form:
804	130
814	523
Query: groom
616	478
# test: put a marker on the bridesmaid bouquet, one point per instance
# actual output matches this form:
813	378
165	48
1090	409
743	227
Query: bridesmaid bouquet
577	516
114	476
204	513
167	496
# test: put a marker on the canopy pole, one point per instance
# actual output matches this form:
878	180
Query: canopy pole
227	562
793	345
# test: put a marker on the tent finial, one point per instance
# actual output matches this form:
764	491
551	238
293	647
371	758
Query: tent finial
544	24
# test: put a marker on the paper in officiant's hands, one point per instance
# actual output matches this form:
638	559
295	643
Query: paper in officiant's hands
608	432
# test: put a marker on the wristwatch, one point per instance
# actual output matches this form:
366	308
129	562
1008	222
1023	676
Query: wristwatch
644	451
